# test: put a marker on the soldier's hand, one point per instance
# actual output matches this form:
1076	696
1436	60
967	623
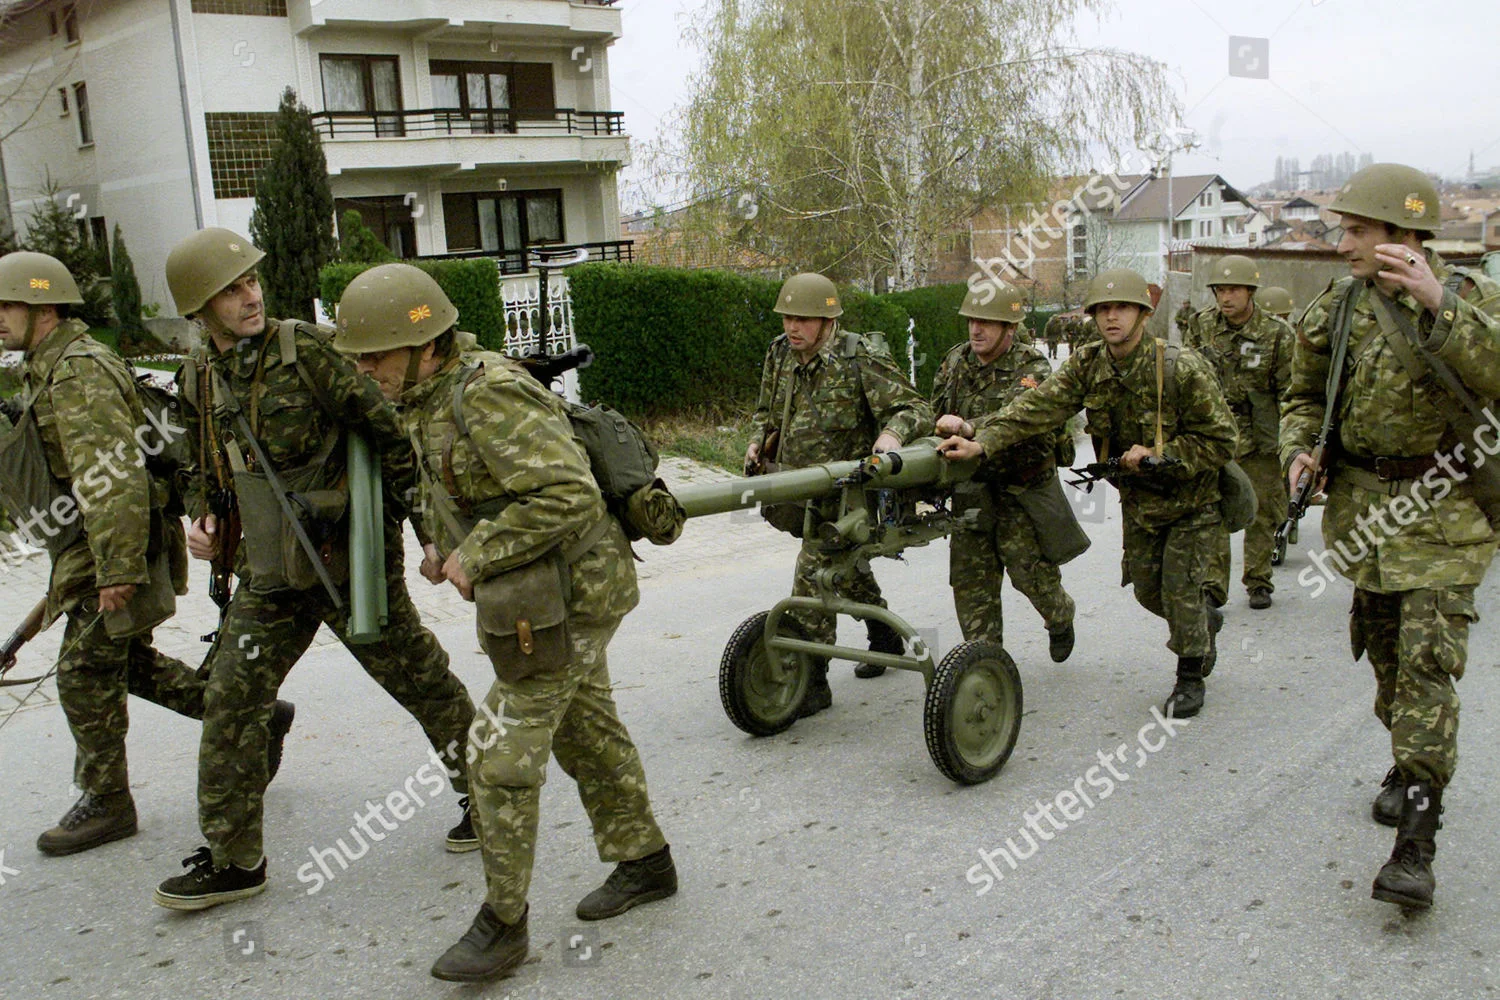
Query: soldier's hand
203	538
115	598
432	565
884	443
1131	460
1408	268
1303	463
957	449
454	574
752	458
950	425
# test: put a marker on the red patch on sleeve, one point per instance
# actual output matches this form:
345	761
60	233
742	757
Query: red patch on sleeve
1028	382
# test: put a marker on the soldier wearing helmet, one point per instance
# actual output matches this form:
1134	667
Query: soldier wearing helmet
283	383
511	506
1277	301
827	395
1404	323
73	481
979	376
1144	401
1251	352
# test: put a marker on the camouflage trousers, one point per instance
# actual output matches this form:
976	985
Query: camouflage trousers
93	678
1418	643
568	713
1260	538
863	588
1168	567
978	562
260	641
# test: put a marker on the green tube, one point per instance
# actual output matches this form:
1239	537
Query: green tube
367	596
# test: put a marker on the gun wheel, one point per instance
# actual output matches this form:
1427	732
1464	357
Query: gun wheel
761	699
973	712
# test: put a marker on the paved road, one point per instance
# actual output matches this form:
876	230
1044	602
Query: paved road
1233	860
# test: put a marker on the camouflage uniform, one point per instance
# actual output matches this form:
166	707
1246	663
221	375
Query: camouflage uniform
978	561
839	406
1168	537
1414	587
1183	318
264	634
1255	357
88	424
1052	333
520	447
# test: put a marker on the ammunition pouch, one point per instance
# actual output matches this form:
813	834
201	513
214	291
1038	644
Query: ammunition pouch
154	601
1265	421
28	488
787	517
274	558
1237	500
523	618
1058	532
973	496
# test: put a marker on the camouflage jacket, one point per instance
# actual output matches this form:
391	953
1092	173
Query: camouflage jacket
969	389
1448	541
840	404
288	418
88	425
1053	331
1120	398
1253	358
521	460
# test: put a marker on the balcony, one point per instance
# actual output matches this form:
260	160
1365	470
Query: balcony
457	20
448	139
525	260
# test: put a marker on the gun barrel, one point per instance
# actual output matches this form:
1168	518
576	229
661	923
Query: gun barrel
367	590
917	464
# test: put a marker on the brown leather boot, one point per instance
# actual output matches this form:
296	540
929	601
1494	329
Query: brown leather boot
93	820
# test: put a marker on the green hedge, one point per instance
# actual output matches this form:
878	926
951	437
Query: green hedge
938	325
669	339
472	285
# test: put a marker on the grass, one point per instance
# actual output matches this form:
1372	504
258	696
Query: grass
711	437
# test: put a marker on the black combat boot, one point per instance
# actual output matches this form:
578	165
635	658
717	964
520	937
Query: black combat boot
1260	598
1186	698
204	885
1407	878
818	695
1386	809
489	949
462	838
883	639
631	884
1215	625
282	714
1060	643
93	820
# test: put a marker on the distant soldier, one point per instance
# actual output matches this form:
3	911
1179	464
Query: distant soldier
1277	301
829	395
72	483
1400	317
519	526
1052	332
1172	520
1251	352
285	385
1183	317
980	376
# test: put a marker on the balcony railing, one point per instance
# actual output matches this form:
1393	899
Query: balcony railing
522	261
449	121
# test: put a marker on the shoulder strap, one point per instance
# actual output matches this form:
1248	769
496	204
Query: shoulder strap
1166	375
1419	362
286	333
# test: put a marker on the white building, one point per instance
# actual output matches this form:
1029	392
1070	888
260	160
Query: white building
456	127
1205	210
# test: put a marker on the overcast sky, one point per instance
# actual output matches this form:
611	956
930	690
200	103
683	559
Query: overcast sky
1415	81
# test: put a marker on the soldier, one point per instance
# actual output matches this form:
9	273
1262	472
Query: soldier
1171	513
518	524
1052	332
71	480
980	376
1401	313
827	395
1183	317
1277	301
300	399
1251	352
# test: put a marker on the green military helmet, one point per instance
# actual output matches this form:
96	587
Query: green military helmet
1235	270
995	301
1120	284
1391	193
389	307
37	280
205	264
808	294
1275	300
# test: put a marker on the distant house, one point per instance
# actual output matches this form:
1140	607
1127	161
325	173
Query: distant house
1206	210
1299	209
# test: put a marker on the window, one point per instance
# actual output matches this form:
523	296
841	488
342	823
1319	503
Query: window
389	217
502	223
493	96
364	84
257	8
70	22
239	145
62	97
99	234
81	102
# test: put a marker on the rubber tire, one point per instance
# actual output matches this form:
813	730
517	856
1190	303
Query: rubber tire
743	687
970	671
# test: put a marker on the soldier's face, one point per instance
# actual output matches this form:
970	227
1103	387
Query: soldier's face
387	368
1234	302
13	325
239	310
989	338
803	332
1361	237
1117	322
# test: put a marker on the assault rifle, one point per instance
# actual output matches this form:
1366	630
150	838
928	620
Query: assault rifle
226	513
1297	505
1143	478
545	368
24	633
